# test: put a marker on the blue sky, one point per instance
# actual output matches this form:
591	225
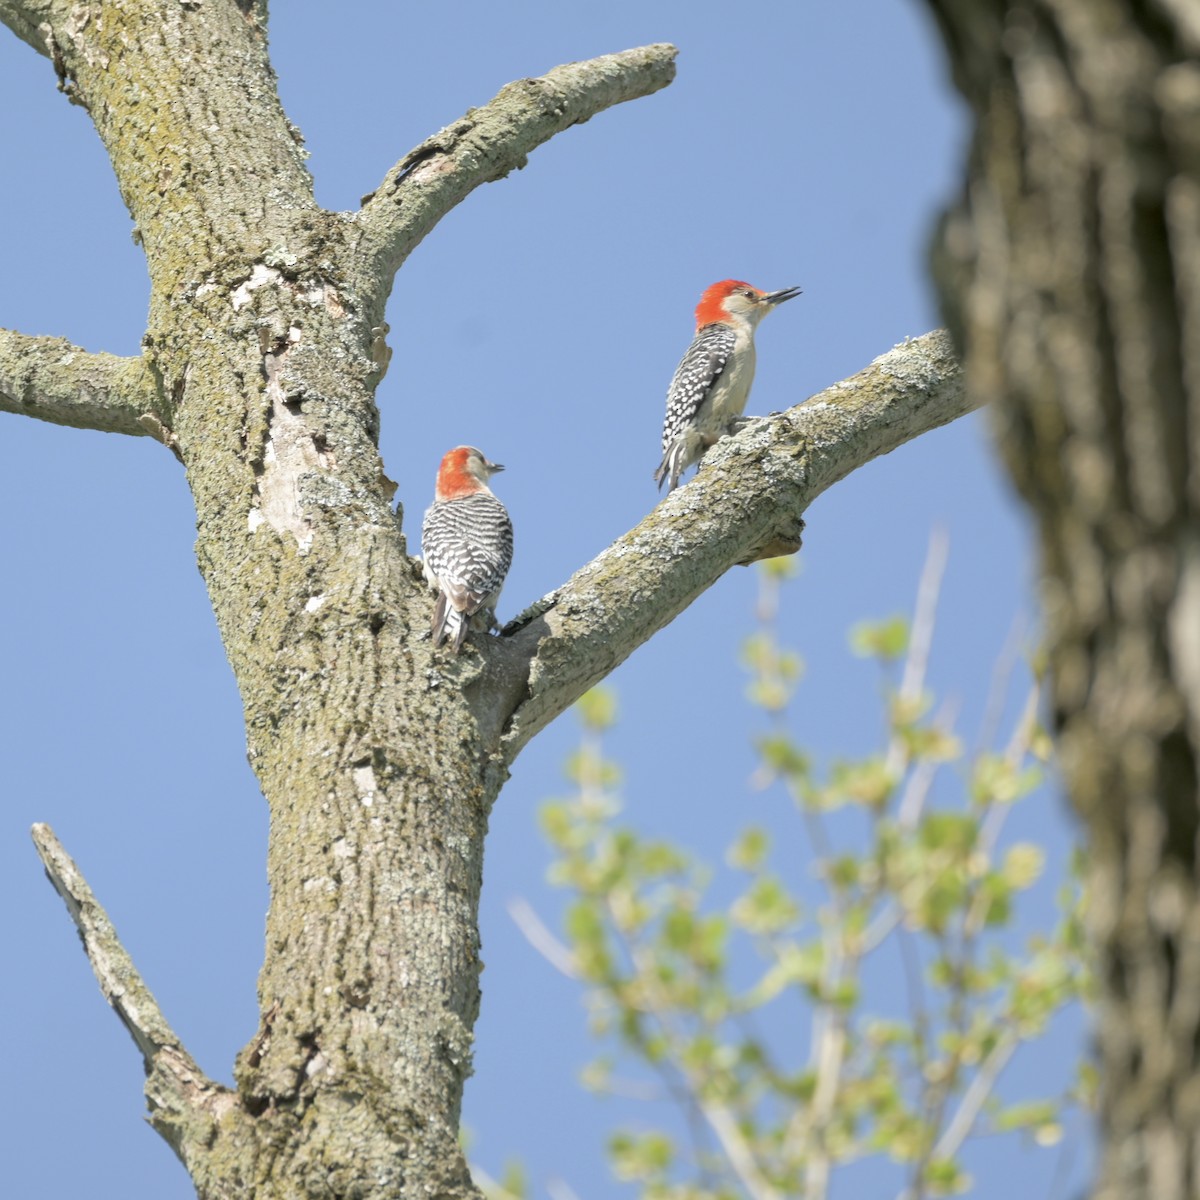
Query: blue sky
801	143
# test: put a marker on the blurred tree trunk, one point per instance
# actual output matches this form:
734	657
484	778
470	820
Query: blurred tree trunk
379	757
1070	274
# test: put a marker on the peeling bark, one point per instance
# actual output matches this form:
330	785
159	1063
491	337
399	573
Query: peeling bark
1071	277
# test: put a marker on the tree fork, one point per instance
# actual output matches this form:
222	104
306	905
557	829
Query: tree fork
379	758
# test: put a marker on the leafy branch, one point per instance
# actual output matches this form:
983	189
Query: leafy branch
913	1072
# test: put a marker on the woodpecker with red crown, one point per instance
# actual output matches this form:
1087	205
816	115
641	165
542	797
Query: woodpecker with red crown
708	394
467	541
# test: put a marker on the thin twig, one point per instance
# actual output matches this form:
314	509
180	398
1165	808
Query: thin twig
975	1096
920	641
491	1187
925	614
912	803
1014	752
539	935
560	1189
830	1048
917	1003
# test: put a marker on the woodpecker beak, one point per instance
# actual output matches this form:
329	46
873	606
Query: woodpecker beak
773	298
493	467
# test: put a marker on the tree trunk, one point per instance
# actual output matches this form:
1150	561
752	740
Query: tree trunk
1071	277
379	757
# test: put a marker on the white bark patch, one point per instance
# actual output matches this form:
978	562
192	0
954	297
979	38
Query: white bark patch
255	519
259	277
313	602
323	295
288	455
364	780
73	29
440	164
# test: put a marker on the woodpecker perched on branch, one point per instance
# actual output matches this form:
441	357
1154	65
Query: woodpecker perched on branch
712	381
467	540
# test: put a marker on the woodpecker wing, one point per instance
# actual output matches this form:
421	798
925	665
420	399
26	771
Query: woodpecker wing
698	371
468	547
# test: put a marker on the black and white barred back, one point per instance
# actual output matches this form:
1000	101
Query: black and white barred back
468	547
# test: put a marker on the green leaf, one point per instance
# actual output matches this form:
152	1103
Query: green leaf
765	907
514	1180
996	897
844	871
769	692
597	708
952	832
886	640
996	780
1023	865
867	782
945	1178
642	1156
781	568
781	755
1026	1115
931	744
750	850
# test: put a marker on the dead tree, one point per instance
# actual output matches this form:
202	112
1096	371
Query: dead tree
379	757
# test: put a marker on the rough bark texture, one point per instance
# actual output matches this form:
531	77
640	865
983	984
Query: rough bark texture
1071	277
379	758
52	380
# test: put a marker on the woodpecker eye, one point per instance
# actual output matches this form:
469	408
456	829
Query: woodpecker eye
748	293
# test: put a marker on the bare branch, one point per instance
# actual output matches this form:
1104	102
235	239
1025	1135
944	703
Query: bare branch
24	19
185	1105
49	378
491	141
920	641
745	504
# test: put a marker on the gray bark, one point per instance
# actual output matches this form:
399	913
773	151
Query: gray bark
1071	278
379	757
52	380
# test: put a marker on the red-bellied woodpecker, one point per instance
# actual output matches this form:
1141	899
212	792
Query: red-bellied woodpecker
709	390
467	540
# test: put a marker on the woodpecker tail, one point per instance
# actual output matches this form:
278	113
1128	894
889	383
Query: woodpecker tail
673	465
448	624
